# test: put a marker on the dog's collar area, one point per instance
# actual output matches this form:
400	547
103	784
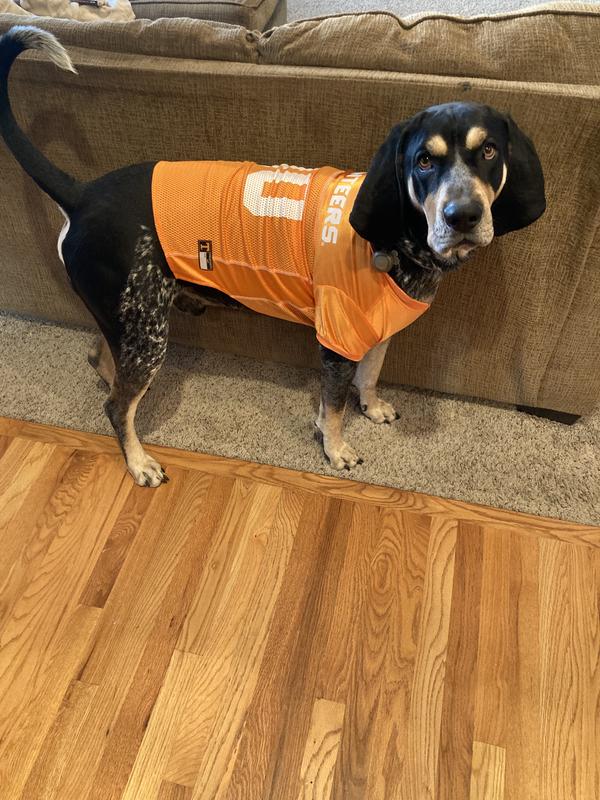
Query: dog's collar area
384	260
412	267
422	257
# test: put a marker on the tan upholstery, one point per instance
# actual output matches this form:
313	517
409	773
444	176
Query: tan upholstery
518	324
107	11
253	14
9	7
549	43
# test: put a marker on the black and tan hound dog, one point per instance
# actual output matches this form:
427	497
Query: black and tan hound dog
442	184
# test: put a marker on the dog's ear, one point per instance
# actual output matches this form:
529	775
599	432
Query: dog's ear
378	211
522	199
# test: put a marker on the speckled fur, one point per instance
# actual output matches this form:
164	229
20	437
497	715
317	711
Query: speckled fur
419	273
144	313
144	316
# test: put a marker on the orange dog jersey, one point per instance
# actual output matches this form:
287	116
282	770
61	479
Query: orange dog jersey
278	240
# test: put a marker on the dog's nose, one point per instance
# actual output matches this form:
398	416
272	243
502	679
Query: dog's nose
463	215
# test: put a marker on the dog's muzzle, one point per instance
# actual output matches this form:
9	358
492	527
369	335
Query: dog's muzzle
463	215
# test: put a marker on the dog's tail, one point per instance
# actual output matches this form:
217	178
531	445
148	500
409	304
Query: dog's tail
62	188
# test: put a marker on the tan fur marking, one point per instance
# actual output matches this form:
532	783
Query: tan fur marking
101	357
475	137
367	372
367	375
485	190
503	181
437	145
411	193
331	422
430	207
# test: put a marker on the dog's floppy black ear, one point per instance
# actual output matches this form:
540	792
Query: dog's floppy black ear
522	199
378	211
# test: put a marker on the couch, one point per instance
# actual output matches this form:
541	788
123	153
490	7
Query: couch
519	324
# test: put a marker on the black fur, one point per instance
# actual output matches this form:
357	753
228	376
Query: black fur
522	200
383	212
379	211
337	373
62	188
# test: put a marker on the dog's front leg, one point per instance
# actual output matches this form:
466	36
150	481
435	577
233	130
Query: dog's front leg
365	380
336	376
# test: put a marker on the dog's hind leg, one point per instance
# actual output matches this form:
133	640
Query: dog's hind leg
100	358
120	408
139	354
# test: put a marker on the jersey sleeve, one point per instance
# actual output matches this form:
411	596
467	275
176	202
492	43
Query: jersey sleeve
341	325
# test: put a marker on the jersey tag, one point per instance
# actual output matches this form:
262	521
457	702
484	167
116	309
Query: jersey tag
205	254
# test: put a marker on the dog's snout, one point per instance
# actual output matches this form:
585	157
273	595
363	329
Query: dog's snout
463	215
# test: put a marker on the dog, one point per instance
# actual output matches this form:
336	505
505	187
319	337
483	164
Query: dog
356	255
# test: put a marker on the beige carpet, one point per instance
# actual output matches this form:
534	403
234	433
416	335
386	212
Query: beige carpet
230	406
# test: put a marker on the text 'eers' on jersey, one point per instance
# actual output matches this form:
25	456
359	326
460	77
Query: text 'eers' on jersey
278	240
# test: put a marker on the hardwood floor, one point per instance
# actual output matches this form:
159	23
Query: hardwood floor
254	633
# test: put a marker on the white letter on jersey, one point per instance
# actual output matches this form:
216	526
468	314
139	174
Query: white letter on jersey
329	234
284	207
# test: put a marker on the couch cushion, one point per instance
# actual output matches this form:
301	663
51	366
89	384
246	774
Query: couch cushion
253	14
108	10
174	38
554	43
9	7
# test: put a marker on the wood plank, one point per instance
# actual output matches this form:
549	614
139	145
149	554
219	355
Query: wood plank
128	620
305	683
334	487
458	711
127	732
487	775
171	791
233	651
108	566
41	624
4	443
219	683
47	770
570	686
493	652
420	778
26	538
146	778
243	516
144	577
355	674
320	754
336	667
21	465
34	706
399	567
522	710
268	754
36	616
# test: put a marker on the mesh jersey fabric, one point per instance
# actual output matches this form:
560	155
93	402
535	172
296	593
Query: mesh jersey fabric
278	240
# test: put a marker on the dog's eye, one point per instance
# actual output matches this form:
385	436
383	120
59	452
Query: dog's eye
424	162
489	151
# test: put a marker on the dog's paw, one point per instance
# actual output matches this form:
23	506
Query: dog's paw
147	472
342	457
379	411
